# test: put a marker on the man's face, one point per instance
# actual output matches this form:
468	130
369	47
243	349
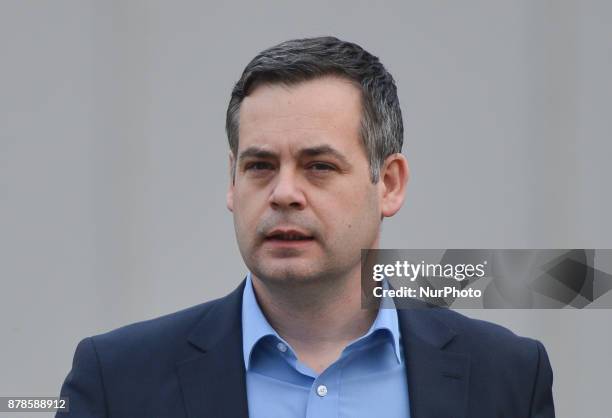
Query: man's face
302	199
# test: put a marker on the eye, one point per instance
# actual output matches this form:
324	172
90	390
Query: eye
321	167
258	166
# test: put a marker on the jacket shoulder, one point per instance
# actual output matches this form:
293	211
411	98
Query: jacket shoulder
160	340
167	325
486	336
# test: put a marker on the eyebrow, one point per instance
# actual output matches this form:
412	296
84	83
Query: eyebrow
323	150
257	152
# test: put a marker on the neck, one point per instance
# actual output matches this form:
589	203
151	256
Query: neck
318	318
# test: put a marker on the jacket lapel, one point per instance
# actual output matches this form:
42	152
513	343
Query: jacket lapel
437	377
213	381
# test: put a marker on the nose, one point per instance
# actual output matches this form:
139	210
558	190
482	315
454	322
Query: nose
287	193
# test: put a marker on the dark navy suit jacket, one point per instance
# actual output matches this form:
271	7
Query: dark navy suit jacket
190	364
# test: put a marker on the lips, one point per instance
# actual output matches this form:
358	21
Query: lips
288	235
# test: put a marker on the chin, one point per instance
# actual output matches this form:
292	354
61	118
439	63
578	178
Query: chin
286	273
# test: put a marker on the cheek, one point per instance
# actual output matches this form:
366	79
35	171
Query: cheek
355	213
366	216
249	208
242	215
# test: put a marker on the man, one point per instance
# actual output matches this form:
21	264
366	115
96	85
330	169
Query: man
315	134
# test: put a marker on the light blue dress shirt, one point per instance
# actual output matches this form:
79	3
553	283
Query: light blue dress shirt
368	380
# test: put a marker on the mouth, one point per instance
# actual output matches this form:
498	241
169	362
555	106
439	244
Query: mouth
288	236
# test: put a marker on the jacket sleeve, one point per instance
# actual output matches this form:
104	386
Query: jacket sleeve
84	386
542	405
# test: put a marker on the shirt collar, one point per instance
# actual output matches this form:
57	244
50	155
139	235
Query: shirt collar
255	326
386	319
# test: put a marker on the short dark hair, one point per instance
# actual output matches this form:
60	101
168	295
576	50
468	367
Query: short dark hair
298	60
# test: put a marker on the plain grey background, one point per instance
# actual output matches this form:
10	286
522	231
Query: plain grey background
113	157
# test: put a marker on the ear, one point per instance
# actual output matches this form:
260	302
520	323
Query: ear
229	198
393	179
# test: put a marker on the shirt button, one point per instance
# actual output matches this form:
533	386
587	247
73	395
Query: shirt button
322	390
281	347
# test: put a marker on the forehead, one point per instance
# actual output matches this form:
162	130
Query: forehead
322	110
